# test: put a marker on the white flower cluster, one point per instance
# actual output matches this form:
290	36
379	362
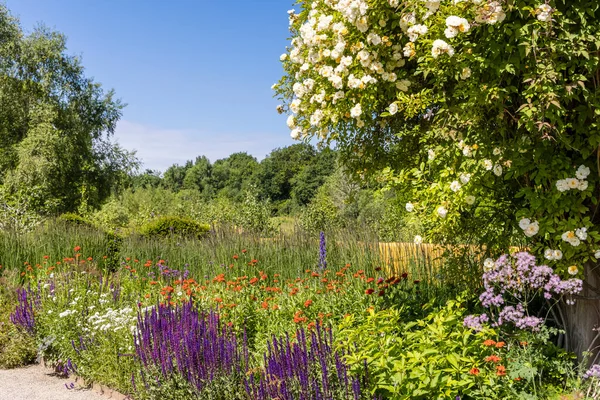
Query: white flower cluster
418	239
574	238
490	13
544	12
551	255
579	182
454	25
529	228
112	319
66	313
342	52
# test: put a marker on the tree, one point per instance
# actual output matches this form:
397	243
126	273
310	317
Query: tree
485	112
55	126
233	175
174	176
198	177
277	170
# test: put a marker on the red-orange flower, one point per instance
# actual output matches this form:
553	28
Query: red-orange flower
492	358
489	342
500	370
264	305
235	256
46	257
307	303
474	371
500	344
220	278
253	280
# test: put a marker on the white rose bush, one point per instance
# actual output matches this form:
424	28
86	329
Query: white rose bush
421	94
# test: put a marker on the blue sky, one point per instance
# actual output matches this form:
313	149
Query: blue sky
196	74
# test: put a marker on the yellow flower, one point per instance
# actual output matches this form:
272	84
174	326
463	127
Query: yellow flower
573	270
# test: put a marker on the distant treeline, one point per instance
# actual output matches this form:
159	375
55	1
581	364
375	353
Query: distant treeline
288	177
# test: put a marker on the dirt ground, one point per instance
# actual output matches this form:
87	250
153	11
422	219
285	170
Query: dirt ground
38	383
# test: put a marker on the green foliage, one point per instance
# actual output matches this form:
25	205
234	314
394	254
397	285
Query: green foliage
421	359
174	226
75	219
17	347
55	125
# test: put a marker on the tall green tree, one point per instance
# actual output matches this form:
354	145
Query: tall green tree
233	175
55	126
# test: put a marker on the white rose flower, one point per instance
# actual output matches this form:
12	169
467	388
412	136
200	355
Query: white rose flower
532	229
458	23
465	73
549	254
581	233
497	169
489	265
450	32
296	133
572	183
524	223
410	207
430	155
356	111
440	47
465	178
442	212
582	172
470	200
455	186
583	185
597	254
291	122
283	57
544	12
418	239
562	185
393	108
558	254
488	164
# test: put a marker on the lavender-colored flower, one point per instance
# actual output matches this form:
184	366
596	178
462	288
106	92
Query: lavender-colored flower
322	251
593	372
24	315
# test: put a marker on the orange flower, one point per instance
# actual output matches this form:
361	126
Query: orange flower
523	344
244	251
493	358
218	299
369	280
500	344
89	258
76	249
235	256
474	371
307	303
297	317
315	274
264	305
253	280
489	342
311	326
220	278
46	257
500	370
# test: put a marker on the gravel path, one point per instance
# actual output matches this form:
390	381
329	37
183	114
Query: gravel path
37	383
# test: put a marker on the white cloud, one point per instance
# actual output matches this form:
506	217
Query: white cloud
160	148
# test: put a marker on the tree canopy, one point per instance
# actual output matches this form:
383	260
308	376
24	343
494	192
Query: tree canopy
55	125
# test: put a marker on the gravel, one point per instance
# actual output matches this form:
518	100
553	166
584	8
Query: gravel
38	383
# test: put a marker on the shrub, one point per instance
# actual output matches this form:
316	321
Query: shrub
165	226
74	219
